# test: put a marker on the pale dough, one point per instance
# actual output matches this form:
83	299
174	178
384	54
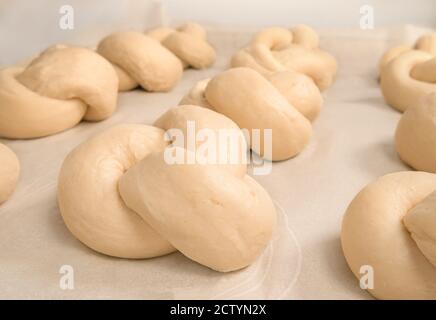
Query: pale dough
250	100
415	137
141	60
188	43
214	214
408	74
9	172
57	90
373	234
155	60
278	49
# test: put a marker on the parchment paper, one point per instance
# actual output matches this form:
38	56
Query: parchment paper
352	145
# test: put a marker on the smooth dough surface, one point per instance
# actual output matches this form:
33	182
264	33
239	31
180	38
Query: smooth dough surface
254	103
278	49
58	89
9	172
421	222
407	74
120	196
188	43
415	137
141	60
213	217
373	233
88	195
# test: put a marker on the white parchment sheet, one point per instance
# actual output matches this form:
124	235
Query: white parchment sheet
351	146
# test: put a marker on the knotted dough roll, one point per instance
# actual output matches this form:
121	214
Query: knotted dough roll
390	227
155	60
119	194
279	49
57	90
408	74
188	43
254	103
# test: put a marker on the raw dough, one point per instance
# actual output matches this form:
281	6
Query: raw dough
415	138
421	223
141	60
55	92
214	214
278	49
9	172
250	100
373	234
188	43
408	74
156	60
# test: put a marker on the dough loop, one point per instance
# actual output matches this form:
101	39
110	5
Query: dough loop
408	74
57	90
155	60
188	43
279	49
390	226
119	196
255	103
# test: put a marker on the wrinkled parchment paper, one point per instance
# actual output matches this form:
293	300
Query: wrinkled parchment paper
352	145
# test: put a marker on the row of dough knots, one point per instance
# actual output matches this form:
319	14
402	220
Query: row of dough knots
119	196
407	74
279	49
155	60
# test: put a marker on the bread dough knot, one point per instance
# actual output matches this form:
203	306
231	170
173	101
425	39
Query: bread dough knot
188	42
390	226
415	137
119	196
58	89
155	60
279	49
281	105
407	74
9	172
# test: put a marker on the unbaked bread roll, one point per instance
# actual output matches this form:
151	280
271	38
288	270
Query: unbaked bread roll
250	100
141	60
188	43
278	49
408	74
9	172
55	92
118	195
390	226
415	137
